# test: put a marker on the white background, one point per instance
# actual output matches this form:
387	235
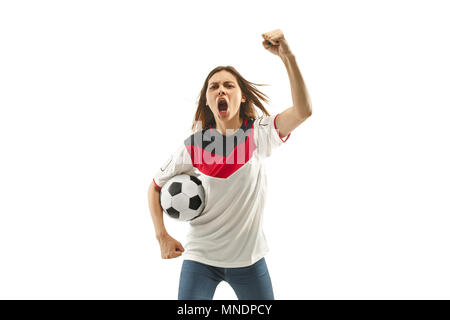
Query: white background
95	95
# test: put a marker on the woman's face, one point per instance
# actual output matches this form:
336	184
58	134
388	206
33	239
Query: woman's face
223	85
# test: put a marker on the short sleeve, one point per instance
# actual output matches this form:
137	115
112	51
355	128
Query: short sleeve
179	162
267	136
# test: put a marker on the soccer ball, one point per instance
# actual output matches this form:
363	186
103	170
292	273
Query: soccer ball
183	197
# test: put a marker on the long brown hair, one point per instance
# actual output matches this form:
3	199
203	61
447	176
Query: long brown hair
204	117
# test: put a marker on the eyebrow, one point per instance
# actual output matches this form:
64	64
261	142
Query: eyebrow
224	81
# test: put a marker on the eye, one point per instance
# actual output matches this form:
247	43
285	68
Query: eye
229	85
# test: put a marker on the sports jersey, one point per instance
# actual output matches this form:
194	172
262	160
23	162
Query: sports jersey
229	232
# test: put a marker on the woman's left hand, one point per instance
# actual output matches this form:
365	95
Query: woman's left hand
275	42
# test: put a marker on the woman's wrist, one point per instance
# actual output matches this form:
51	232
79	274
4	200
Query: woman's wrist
287	56
161	234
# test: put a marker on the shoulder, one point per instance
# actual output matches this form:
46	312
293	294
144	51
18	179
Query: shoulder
264	121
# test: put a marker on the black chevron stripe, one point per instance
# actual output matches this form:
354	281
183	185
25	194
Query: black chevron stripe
216	143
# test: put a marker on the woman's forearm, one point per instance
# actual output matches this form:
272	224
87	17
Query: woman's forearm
300	97
156	211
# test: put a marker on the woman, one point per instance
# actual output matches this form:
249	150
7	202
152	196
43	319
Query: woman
226	152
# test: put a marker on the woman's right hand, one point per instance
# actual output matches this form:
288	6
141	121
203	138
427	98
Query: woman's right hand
170	248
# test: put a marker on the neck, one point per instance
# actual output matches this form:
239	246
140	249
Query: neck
231	125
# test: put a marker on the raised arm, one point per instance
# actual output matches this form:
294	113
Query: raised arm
292	117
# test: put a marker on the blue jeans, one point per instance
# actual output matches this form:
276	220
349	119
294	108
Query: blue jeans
199	281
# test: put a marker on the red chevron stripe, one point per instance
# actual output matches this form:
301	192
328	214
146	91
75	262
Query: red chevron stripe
219	166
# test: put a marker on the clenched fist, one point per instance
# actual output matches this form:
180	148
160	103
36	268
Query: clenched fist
170	248
275	42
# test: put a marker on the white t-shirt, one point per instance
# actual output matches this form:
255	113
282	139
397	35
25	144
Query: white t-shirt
229	232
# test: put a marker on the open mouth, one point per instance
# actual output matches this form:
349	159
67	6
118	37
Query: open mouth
223	106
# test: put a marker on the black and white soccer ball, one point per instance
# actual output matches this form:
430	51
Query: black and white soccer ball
183	197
